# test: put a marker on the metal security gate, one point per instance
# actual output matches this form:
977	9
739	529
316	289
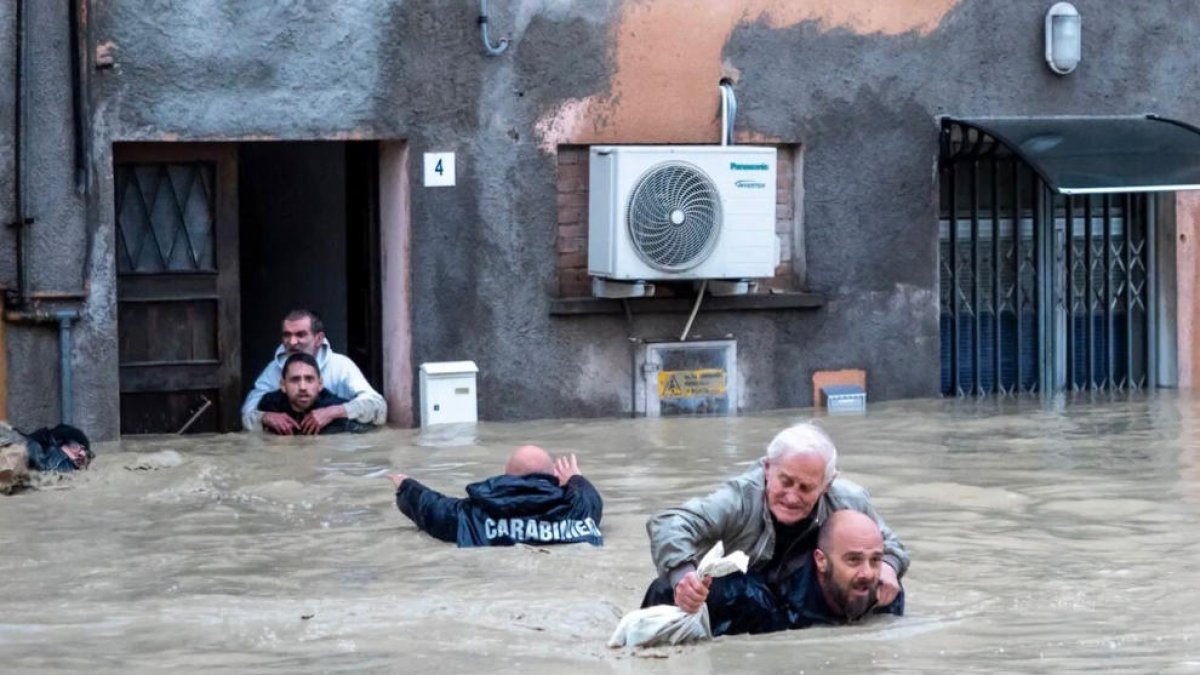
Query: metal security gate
1039	291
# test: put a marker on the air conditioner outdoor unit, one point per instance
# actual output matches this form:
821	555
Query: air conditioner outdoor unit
681	212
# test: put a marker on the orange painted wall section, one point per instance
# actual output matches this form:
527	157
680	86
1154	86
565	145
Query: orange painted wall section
668	63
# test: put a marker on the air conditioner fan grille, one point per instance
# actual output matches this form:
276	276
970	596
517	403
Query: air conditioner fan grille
674	216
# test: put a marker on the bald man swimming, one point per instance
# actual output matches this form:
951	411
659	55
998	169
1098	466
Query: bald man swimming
538	500
838	584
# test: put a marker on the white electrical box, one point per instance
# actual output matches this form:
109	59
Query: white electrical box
448	393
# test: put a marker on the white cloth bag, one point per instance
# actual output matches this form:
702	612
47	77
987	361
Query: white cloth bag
670	625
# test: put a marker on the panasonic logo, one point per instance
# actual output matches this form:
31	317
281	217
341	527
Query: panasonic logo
734	166
750	184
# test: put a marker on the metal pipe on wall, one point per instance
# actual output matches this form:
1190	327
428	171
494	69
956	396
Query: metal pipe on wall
3	365
21	221
63	318
485	34
66	391
728	112
80	103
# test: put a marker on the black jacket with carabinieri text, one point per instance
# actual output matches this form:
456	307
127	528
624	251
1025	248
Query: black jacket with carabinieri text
507	510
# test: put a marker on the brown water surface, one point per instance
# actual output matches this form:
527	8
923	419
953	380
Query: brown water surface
1046	537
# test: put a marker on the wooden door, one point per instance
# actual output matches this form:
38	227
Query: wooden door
177	286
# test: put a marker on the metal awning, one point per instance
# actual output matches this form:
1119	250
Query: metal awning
1097	155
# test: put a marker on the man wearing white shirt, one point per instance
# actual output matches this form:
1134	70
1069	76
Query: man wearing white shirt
304	332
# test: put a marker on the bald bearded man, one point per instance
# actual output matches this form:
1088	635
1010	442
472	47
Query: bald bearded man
537	500
838	584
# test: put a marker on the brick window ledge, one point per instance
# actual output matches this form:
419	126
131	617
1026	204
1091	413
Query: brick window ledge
754	302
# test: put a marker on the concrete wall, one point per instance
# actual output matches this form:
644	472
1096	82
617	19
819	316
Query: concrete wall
66	254
857	83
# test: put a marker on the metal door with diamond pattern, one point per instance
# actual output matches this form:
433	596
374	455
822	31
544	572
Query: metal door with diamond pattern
177	286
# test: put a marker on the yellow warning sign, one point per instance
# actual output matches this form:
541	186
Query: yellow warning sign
688	383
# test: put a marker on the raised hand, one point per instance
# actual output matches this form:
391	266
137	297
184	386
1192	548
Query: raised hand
564	468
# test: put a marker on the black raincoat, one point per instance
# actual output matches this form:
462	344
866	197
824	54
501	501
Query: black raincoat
45	448
748	603
507	510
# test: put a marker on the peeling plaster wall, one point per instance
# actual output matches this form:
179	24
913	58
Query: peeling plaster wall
857	83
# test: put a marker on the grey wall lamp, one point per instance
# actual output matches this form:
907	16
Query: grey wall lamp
1064	38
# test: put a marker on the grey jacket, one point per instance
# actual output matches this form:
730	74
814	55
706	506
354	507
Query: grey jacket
737	514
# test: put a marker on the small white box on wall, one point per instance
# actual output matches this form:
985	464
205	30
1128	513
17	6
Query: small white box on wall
448	393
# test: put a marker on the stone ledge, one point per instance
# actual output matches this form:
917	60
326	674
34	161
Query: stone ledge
756	302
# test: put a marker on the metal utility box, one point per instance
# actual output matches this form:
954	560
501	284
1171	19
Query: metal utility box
687	378
448	392
845	398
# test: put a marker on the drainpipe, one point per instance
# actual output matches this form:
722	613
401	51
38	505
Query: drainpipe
81	111
63	318
20	152
66	393
3	367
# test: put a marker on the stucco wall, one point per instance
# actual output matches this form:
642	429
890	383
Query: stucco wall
64	255
857	83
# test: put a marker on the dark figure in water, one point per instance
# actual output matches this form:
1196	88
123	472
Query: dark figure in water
536	501
60	450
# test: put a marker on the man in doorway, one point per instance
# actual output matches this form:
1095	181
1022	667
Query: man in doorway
837	584
301	393
536	501
304	333
773	513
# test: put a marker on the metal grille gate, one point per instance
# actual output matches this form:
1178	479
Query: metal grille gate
1039	291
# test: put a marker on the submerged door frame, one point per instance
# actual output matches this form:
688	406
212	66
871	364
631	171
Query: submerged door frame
395	242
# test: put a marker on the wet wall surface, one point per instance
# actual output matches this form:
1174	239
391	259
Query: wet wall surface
1045	537
858	87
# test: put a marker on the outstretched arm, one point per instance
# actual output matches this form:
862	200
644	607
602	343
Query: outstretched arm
429	509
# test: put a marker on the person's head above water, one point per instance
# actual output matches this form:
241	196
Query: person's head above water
301	381
801	462
303	332
848	556
63	448
529	459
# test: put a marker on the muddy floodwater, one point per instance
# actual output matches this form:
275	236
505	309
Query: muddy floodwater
1045	537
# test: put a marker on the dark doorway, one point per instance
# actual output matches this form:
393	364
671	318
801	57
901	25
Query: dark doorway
310	238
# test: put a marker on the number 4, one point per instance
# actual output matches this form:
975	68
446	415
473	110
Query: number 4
438	168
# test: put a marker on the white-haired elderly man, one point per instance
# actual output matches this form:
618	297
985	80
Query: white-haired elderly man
773	513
